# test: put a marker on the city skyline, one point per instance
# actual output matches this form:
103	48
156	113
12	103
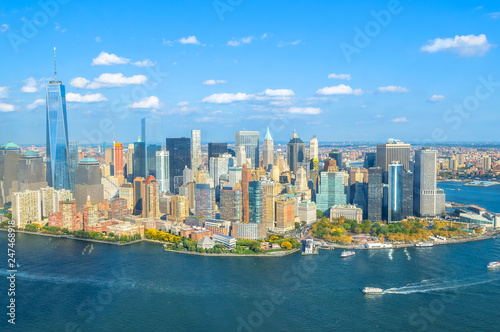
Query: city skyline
326	84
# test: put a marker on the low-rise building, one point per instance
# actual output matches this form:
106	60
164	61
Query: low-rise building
476	219
348	211
228	241
218	226
307	212
206	243
247	230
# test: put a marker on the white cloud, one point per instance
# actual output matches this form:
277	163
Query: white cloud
279	93
6	107
436	98
98	39
4	27
282	43
90	98
189	40
183	103
35	104
340	89
106	59
304	110
79	82
379	116
226	98
393	89
340	76
29	86
494	15
466	46
168	42
401	119
264	36
281	103
148	102
108	80
144	63
237	42
4	91
213	82
205	119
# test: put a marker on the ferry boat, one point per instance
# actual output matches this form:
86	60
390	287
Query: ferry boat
372	290
345	254
493	265
424	244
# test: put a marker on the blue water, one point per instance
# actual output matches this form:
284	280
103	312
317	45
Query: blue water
486	197
140	287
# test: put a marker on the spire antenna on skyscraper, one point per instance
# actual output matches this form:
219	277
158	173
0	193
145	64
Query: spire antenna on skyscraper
55	68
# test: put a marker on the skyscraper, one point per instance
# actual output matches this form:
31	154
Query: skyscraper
118	158
337	156
255	202
162	171
204	200
375	194
331	191
313	148
73	163
395	192
428	199
31	171
130	162
179	150
296	152
151	136
88	183
230	204
57	135
246	177
216	149
151	200
250	140
370	160
139	158
195	149
393	150
268	150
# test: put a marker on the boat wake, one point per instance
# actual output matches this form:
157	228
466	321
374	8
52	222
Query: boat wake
437	285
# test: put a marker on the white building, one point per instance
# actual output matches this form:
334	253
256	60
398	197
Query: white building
162	171
26	207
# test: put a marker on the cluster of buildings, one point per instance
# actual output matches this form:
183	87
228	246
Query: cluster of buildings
237	190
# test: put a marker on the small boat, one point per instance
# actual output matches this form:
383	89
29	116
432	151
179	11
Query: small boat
424	244
493	265
345	254
18	266
372	290
458	189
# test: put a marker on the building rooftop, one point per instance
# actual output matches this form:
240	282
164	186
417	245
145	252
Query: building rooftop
31	153
10	145
88	160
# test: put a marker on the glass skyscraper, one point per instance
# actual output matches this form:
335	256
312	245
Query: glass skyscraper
331	191
250	140
179	150
57	137
151	136
395	192
255	202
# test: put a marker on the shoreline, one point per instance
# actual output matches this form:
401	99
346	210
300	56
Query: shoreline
410	245
288	252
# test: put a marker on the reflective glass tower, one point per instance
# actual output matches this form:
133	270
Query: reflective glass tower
151	135
57	135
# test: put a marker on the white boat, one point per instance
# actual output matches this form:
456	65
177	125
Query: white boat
424	244
493	265
345	254
372	290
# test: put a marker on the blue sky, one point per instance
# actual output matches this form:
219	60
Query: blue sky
341	70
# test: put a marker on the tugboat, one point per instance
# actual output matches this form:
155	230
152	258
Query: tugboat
346	254
493	265
372	290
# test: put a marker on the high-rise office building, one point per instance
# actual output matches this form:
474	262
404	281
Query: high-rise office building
313	148
118	159
162	171
393	150
88	185
9	157
428	199
407	194
139	195
130	162
179	151
370	160
216	149
246	177
204	200
268	150
139	159
250	140
230	204
395	192
31	171
73	163
57	135
331	191
151	136
218	166
296	152
241	156
255	202
337	156
195	149
375	194
285	214
151	201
